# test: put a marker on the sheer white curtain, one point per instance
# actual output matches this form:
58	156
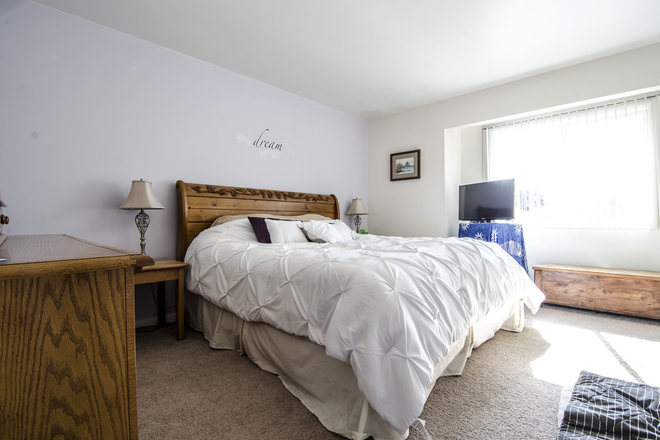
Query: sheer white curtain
590	168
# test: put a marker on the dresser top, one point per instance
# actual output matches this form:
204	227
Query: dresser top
22	250
32	248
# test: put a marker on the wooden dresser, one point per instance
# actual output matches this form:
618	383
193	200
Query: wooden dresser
67	339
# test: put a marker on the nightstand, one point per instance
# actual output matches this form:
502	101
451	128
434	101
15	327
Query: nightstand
165	270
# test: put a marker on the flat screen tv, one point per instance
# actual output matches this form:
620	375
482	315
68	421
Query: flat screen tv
487	201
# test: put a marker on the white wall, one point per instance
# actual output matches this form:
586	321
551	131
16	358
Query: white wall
471	139
422	207
84	110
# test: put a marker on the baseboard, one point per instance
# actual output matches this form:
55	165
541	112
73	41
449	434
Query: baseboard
150	322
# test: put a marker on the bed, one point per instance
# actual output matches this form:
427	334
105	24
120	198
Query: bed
358	328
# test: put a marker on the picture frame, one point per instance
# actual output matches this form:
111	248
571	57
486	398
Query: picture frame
405	165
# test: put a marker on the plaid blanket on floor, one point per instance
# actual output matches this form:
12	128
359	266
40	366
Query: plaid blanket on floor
605	408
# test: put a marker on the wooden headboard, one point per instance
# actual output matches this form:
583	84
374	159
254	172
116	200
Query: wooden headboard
200	205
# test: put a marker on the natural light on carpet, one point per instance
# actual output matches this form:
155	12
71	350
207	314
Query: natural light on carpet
643	356
573	349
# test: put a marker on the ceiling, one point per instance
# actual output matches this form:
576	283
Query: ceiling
374	58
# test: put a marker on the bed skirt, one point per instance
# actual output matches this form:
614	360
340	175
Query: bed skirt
326	386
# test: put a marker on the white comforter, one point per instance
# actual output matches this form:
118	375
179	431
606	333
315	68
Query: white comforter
389	306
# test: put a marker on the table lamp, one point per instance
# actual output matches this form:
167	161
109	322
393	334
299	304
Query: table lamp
141	197
357	209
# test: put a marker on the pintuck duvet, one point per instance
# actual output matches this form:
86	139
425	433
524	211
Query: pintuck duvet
388	306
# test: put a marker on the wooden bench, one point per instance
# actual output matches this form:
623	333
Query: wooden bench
626	292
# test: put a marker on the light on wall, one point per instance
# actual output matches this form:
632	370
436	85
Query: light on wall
141	197
357	209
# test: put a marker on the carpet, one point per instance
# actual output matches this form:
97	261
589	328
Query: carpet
510	388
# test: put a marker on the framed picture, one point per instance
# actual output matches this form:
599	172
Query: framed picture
406	165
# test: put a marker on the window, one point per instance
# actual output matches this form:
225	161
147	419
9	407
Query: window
589	168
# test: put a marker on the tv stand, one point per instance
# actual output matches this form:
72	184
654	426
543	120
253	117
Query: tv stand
508	235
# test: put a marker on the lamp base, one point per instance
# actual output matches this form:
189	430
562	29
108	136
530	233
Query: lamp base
142	223
358	222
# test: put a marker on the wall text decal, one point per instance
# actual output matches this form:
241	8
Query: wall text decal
266	146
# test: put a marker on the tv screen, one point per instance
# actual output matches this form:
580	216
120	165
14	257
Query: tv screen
483	202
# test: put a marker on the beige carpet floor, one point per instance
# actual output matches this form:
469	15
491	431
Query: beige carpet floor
514	386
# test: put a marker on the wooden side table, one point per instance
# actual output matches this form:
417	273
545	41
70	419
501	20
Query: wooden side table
165	270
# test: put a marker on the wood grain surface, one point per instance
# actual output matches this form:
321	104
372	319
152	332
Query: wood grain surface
627	292
67	340
41	255
64	357
200	205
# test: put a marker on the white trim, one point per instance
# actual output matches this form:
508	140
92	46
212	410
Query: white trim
484	154
655	133
571	110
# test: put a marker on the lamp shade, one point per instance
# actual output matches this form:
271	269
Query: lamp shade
141	196
357	208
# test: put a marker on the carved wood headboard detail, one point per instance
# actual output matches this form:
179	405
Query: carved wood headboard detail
200	205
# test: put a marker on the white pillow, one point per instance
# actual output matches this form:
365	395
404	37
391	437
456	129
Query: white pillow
285	231
343	229
329	232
